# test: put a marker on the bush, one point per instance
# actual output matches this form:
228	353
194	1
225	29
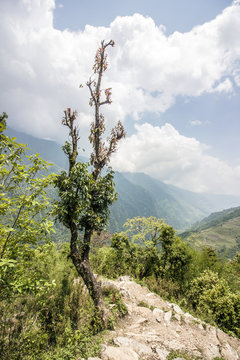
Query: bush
57	321
212	299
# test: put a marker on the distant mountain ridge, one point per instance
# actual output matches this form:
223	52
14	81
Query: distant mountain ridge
216	218
220	230
49	150
140	194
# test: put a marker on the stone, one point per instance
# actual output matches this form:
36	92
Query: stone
158	312
167	316
108	284
142	321
141	349
124	293
177	309
151	294
119	353
173	344
228	353
210	351
125	278
177	317
162	353
196	354
188	318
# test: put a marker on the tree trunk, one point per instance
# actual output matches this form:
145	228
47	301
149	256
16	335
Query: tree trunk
80	259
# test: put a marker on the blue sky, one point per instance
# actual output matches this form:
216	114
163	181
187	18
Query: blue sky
174	14
175	74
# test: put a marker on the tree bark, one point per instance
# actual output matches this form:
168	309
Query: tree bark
80	259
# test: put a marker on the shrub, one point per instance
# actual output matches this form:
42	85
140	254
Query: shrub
211	297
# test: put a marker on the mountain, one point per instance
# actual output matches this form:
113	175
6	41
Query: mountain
48	149
220	230
140	194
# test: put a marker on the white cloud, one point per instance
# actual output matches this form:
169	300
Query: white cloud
162	152
196	122
41	67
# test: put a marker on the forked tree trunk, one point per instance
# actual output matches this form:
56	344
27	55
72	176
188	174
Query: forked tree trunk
80	259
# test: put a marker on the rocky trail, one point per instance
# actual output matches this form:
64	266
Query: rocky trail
154	329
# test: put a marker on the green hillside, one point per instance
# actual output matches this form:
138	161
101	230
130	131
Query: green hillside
140	194
220	230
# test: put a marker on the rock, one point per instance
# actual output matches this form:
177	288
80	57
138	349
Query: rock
119	353
154	334
141	349
210	351
173	344
162	353
177	309
142	321
167	316
108	284
228	353
94	358
158	313
125	278
196	354
151	294
188	318
177	317
124	293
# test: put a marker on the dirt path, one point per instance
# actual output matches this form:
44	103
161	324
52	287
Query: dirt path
155	329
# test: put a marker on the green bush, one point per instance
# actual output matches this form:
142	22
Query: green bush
212	299
54	318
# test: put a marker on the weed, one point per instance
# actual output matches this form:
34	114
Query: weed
143	304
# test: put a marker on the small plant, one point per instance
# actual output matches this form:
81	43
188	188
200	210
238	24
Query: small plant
179	354
113	297
196	322
143	304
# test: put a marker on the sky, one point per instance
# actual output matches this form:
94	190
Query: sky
174	74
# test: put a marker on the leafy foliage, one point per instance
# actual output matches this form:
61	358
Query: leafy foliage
54	318
84	200
24	210
211	296
43	313
150	251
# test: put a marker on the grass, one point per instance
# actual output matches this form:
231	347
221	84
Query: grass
219	236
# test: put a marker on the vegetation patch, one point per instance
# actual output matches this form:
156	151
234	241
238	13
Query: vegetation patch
179	354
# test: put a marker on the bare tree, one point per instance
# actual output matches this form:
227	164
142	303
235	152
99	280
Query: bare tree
85	196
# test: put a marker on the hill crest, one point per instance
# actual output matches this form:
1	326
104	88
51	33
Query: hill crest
155	329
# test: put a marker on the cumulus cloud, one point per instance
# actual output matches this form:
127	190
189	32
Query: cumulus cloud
41	67
163	153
